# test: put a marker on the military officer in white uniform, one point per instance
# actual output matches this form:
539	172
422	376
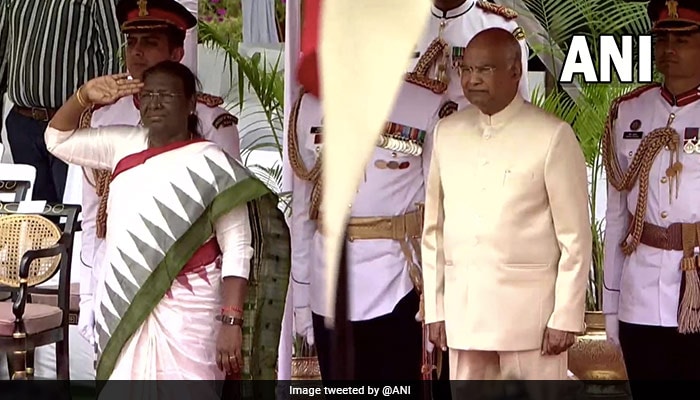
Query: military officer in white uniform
383	239
452	24
652	220
155	32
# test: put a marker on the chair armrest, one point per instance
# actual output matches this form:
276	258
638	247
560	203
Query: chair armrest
77	227
27	259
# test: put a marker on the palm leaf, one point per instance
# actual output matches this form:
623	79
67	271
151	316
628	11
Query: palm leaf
562	19
266	83
587	115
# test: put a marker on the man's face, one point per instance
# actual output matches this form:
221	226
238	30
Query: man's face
677	54
484	75
146	49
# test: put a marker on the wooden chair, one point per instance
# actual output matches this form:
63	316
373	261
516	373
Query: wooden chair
33	250
16	182
14	190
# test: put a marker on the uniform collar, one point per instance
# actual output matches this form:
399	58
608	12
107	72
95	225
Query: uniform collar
455	12
504	115
682	99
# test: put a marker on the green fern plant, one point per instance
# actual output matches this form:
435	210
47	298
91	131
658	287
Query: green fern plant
267	84
562	19
587	115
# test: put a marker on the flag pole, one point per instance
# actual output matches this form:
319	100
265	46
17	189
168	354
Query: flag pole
343	353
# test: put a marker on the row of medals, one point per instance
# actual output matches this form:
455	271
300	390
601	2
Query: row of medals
692	146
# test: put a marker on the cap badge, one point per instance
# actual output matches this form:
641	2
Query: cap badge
142	8
672	6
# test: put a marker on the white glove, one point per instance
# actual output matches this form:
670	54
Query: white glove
86	320
612	328
429	346
303	324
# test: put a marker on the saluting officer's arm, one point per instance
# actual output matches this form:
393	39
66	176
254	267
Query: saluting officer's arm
566	182
432	244
617	219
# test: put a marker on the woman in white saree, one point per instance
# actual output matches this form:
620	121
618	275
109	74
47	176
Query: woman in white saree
183	226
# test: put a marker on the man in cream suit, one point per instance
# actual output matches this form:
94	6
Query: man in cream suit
507	240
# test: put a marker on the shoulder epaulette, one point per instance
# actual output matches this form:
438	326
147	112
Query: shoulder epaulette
519	33
209	100
225	120
629	96
504	12
447	109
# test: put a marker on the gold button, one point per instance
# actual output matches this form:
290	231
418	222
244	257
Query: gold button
664	214
664	180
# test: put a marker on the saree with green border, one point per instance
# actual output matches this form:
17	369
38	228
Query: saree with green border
163	209
185	205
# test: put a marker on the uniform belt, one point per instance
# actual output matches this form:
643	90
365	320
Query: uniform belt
407	229
36	113
670	238
398	228
682	237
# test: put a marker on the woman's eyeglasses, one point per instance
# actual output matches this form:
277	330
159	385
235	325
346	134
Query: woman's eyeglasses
162	97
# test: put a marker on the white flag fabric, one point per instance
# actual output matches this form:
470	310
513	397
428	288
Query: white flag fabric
365	46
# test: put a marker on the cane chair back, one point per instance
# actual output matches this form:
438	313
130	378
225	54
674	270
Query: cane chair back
19	233
33	249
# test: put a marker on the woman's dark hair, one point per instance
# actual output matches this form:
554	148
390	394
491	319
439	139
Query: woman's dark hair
190	85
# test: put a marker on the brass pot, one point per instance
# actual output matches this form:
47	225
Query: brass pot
305	369
592	357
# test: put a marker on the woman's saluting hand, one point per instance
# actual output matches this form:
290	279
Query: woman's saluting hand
106	90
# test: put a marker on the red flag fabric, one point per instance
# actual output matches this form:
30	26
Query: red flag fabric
308	70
